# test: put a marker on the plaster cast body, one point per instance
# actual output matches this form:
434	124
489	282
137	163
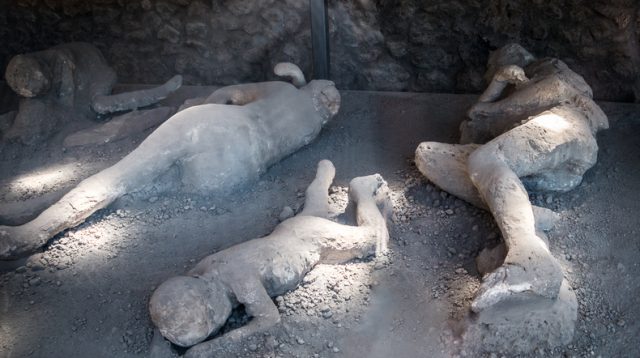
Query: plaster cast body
232	139
67	82
188	309
540	122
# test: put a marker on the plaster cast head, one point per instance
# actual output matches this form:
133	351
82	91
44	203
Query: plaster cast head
592	112
27	76
187	309
325	97
511	54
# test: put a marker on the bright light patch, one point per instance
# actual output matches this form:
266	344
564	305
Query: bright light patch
42	179
552	122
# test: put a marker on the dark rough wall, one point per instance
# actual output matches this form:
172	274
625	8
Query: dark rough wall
415	45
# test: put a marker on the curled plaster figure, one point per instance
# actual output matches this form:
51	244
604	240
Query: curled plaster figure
540	122
233	138
188	309
66	82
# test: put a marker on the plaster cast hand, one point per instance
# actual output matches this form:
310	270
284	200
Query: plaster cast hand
511	74
503	77
257	304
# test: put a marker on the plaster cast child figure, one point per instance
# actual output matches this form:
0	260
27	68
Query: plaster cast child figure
68	82
188	309
231	139
539	123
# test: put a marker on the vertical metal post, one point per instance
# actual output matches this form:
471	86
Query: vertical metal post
319	38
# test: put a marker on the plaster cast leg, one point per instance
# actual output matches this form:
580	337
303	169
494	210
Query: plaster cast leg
317	195
342	243
556	139
545	143
104	104
445	165
529	267
368	193
92	194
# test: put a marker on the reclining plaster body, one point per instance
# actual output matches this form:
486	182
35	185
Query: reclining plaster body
67	82
188	309
232	139
542	134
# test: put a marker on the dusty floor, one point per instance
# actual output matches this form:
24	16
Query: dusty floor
86	295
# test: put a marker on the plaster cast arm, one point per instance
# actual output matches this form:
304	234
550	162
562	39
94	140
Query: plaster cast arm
244	93
250	292
504	76
488	119
103	104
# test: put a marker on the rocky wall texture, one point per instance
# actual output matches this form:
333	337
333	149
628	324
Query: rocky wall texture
395	45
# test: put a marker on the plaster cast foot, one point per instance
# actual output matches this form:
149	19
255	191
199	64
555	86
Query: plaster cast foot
527	272
365	188
317	193
14	243
371	196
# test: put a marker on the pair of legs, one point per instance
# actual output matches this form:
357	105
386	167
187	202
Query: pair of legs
369	195
557	145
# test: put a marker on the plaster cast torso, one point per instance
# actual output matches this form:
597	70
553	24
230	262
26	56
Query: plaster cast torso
226	145
281	259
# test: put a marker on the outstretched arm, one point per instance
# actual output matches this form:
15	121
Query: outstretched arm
492	115
103	104
245	93
505	76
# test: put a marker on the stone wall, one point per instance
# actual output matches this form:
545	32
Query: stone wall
398	45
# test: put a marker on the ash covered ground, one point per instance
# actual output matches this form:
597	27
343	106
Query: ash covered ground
86	294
